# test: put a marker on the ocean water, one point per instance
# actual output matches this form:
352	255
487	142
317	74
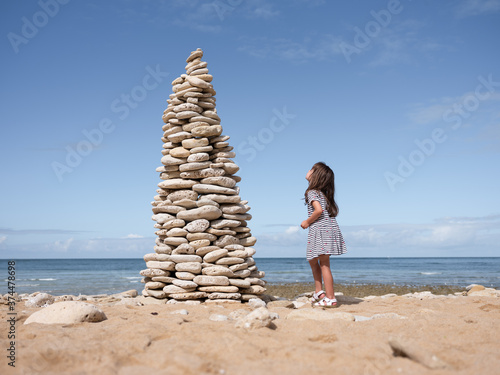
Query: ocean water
107	276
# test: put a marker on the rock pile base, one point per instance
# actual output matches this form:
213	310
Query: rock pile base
204	245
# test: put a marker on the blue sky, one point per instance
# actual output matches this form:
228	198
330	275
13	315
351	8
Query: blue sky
400	98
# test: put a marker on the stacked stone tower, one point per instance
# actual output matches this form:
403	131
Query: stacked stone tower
203	249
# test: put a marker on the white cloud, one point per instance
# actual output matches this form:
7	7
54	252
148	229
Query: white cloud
60	246
318	48
468	8
2	239
133	236
467	235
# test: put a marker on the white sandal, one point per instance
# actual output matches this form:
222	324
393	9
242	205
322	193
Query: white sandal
326	302
316	296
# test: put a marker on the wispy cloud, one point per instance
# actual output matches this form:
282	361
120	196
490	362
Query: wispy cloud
433	111
319	48
403	43
469	8
2	239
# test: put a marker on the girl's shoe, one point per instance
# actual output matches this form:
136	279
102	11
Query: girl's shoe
326	302
316	296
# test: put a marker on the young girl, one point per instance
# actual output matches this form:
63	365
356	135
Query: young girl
324	238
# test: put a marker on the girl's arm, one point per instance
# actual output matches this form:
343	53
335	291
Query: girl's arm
314	216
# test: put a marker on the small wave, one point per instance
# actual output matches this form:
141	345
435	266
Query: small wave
133	277
133	281
24	285
430	273
49	279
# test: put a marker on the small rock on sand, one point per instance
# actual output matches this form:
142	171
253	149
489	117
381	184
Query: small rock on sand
69	312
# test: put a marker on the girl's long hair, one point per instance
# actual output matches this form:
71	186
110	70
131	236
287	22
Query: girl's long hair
323	179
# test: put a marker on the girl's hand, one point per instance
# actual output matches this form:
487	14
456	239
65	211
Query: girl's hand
304	224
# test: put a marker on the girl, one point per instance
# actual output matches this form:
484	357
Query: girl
324	238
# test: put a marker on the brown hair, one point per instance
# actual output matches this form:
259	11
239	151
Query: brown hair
323	179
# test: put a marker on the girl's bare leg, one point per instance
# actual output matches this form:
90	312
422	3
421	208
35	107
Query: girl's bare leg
316	271
324	266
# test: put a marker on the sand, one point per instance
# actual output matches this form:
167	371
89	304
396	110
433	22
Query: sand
455	335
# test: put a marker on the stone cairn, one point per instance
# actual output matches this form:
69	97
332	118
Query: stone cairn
203	249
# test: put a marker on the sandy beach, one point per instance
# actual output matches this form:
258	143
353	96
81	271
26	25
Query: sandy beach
416	333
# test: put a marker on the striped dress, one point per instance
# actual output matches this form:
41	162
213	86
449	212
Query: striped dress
324	234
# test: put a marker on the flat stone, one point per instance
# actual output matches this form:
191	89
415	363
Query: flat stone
204	212
182	194
177	232
224	223
193	267
39	300
201	156
154	272
206	249
202	173
200	236
219	295
237	217
188	295
211	280
162	218
221	289
254	289
240	283
249	241
170	160
221	181
242	273
185	284
201	149
68	312
184	275
183	248
230	261
199	243
221	232
185	258
237	253
219	198
197	82
175	241
173	289
215	255
206	189
154	285
195	142
166	266
238	267
194	166
207	131
226	240
218	271
177	183
199	225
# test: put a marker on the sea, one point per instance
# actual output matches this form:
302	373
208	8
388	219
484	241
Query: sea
108	276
